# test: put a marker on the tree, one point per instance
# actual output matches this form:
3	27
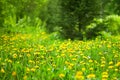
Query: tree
77	14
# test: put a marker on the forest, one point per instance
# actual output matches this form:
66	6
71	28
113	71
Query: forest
59	39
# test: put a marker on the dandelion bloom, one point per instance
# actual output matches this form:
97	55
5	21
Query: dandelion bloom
14	55
105	75
79	75
61	75
91	76
14	73
25	77
118	64
83	69
2	70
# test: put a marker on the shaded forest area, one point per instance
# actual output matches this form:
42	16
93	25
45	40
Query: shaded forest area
75	19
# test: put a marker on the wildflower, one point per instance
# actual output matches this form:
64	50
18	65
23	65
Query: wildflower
104	79
25	77
58	56
102	65
10	61
105	75
2	70
30	61
109	46
74	59
90	61
71	64
28	70
63	55
83	69
103	62
110	67
79	75
66	62
116	56
36	67
61	75
48	69
116	70
91	76
14	73
110	63
28	55
70	67
118	64
32	69
91	68
14	55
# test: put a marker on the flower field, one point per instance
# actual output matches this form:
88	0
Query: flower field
38	57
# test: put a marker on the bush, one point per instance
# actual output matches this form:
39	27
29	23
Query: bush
109	25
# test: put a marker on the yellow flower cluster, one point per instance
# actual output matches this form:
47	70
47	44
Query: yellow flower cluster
27	57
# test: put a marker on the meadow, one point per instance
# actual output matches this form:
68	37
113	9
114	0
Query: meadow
36	55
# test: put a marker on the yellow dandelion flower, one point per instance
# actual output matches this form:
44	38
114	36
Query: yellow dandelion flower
111	67
109	46
71	64
61	75
91	69
104	79
32	69
90	61
83	69
27	69
118	64
79	75
28	55
30	61
70	67
110	63
102	65
66	62
105	75
14	73
58	56
48	69
91	76
25	77
116	70
103	62
2	70
14	55
63	55
10	61
114	78
74	59
36	67
116	56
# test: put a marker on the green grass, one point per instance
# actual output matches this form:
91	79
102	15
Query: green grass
32	54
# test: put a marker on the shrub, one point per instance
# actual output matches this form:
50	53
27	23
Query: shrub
109	25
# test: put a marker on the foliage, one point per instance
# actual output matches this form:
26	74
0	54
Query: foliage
110	25
11	26
72	18
12	11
